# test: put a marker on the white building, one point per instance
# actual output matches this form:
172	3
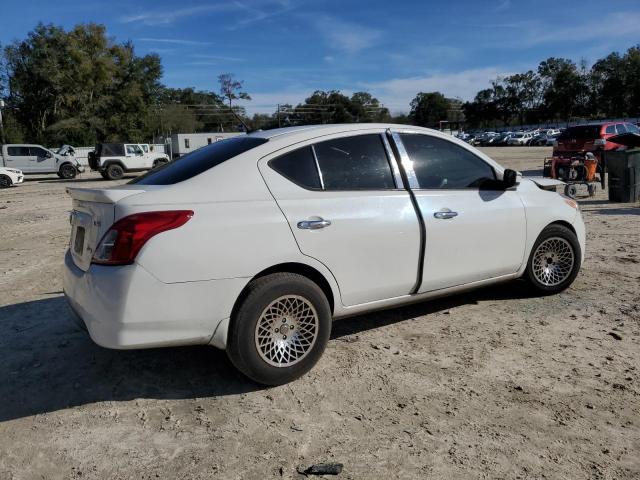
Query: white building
183	143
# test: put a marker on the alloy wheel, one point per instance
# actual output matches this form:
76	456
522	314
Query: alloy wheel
286	330
553	261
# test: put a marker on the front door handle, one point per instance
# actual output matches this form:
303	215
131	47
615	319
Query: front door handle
315	224
445	214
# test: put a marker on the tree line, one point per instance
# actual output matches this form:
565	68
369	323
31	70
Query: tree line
81	87
561	90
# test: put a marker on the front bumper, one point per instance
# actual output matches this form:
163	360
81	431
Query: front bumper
126	307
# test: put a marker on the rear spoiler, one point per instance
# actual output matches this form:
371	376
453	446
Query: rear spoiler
102	195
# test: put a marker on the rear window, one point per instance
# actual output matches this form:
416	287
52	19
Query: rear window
198	161
582	132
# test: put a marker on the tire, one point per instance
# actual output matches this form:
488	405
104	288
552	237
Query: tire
554	261
5	181
104	175
67	171
114	172
260	311
571	191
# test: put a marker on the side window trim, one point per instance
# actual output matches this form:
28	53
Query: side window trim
393	161
315	160
405	161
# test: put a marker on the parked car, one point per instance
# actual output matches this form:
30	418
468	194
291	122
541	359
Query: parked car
520	138
10	176
113	160
254	244
37	159
580	139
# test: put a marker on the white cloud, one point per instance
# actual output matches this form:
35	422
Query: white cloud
617	24
172	41
503	5
165	17
347	37
396	93
222	58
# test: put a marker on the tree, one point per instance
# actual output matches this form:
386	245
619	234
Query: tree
79	86
231	89
427	109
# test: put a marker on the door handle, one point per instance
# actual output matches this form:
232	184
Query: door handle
445	214
313	224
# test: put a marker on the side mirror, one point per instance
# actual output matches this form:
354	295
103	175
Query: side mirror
48	155
509	178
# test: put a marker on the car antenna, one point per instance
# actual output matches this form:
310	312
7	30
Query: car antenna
246	129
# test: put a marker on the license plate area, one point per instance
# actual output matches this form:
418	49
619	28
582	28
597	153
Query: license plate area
78	242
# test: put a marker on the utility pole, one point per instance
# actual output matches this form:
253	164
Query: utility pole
279	125
1	124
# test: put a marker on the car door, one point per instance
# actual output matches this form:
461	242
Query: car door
346	206
18	157
42	160
474	229
135	157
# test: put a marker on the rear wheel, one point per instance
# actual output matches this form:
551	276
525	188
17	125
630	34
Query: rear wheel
67	171
5	181
114	172
280	329
555	260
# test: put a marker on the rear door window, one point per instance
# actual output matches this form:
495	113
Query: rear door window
18	151
298	166
611	130
359	162
620	128
199	161
441	164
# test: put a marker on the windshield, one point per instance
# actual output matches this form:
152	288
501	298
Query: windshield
582	132
198	161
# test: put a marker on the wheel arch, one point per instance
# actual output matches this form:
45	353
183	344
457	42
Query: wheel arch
220	335
294	267
66	162
564	223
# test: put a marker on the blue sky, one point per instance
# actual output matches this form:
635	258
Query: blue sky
285	49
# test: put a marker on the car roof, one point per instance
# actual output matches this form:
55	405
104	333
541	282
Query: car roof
328	129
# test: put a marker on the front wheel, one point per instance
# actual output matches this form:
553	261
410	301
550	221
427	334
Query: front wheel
67	172
5	181
280	329
555	260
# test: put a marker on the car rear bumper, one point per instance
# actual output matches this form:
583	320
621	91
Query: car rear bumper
126	307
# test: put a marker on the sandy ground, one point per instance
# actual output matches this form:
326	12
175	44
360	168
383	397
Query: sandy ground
490	384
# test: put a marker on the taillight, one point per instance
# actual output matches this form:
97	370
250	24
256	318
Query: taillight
121	244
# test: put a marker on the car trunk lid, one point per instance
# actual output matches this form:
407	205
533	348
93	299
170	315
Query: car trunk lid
92	215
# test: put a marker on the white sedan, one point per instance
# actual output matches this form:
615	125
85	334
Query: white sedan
254	244
10	176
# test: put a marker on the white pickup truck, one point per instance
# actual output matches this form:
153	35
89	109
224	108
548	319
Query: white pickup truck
38	159
113	160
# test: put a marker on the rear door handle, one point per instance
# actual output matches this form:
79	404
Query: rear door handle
313	224
445	214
